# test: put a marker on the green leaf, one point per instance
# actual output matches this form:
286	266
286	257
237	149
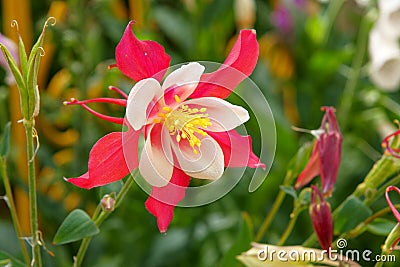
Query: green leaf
381	226
5	141
76	226
6	258
298	162
353	212
289	190
242	243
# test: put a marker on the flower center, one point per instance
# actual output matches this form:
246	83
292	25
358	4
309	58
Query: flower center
186	123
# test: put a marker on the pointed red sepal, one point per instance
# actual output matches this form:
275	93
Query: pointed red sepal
140	59
312	168
321	218
239	64
107	161
237	149
163	200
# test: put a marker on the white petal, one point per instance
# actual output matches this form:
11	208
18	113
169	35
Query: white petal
141	95
223	115
155	163
385	60
188	75
389	17
208	163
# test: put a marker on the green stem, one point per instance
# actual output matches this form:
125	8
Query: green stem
13	210
332	12
355	71
289	228
29	130
99	218
268	219
380	192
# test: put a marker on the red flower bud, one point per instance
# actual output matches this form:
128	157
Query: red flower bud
325	157
321	218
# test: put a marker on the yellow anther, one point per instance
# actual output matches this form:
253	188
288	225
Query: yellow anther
185	123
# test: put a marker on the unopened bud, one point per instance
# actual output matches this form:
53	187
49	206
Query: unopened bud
321	218
107	203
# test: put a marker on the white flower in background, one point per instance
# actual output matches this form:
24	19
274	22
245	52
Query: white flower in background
385	60
389	17
13	48
363	3
384	48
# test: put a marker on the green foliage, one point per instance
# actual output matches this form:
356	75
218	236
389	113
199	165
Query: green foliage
353	212
7	260
76	226
5	141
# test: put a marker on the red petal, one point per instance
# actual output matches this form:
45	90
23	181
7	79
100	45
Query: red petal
239	65
237	149
107	161
330	150
311	170
140	59
163	200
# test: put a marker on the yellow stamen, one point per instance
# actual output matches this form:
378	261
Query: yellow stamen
186	123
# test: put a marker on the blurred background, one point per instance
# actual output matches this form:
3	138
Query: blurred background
307	49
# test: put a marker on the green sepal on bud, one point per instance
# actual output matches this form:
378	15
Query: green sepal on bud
26	76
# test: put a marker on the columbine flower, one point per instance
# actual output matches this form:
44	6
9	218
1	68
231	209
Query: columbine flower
395	212
13	48
321	218
325	157
188	127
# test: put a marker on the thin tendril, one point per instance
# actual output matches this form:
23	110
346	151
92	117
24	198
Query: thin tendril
14	24
36	136
42	52
50	21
